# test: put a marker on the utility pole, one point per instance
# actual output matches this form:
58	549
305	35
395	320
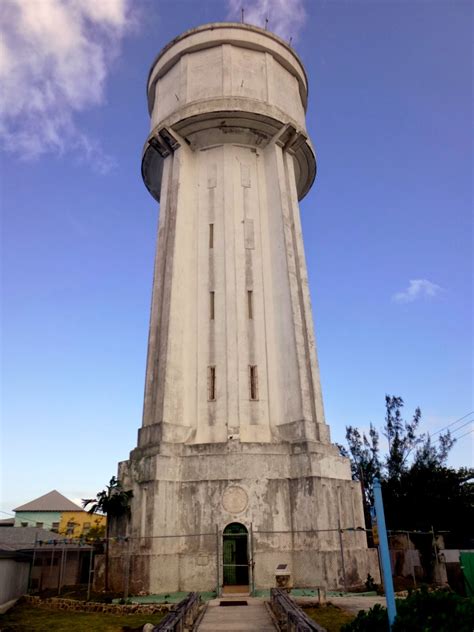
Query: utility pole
384	553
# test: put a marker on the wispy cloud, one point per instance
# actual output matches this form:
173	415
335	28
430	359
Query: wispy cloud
55	56
417	289
286	18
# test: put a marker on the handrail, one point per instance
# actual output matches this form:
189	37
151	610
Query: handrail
291	617
182	617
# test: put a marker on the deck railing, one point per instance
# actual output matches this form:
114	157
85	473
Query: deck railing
182	618
290	616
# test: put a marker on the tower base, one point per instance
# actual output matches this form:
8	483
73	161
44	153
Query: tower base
213	515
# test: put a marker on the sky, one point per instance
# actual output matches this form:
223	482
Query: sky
387	225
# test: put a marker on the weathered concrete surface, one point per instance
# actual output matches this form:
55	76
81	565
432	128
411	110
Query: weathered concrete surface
233	421
248	618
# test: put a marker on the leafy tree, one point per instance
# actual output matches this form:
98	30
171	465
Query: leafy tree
403	443
419	490
401	436
364	454
429	496
114	502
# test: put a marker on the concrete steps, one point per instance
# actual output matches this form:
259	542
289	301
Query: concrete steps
252	617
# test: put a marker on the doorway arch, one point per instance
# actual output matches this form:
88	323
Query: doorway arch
235	555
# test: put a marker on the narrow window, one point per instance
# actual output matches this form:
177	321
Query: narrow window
39	525
211	383
211	235
250	303
211	305
253	382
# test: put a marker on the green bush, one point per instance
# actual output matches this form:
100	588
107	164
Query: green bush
374	620
439	611
422	611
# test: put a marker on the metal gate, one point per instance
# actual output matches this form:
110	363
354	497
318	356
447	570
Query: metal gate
236	555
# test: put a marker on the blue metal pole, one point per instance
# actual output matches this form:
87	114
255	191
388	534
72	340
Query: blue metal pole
384	553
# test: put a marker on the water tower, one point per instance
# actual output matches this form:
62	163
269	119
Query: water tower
234	473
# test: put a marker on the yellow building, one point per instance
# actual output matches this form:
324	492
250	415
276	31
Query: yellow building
77	523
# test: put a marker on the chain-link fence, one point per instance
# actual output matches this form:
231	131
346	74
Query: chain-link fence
237	557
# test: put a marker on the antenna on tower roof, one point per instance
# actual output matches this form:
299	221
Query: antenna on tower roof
266	22
242	15
291	39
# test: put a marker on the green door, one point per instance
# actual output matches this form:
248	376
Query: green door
235	555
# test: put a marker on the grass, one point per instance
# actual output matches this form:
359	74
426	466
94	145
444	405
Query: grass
330	617
25	617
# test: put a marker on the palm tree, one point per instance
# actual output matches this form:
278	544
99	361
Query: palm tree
114	502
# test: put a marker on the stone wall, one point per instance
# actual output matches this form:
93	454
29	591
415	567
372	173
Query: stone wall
88	606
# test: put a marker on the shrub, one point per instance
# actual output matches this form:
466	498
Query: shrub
434	612
374	620
421	611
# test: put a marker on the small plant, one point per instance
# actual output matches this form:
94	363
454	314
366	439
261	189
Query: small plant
370	584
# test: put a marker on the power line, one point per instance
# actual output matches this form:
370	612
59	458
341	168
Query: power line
469	421
453	435
466	433
452	423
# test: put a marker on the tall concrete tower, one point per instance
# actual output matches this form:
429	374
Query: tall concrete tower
234	454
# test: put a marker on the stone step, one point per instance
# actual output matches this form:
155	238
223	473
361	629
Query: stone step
252	617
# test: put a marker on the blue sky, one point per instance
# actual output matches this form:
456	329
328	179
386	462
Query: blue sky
387	225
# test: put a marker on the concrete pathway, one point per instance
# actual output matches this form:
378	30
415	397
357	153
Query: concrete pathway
252	617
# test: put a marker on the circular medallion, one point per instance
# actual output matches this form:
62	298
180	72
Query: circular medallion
235	499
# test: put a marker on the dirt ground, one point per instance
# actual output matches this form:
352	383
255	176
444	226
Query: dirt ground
352	603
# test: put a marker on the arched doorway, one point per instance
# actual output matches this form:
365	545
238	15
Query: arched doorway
235	555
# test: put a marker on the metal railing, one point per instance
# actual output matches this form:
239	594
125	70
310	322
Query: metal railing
290	616
182	618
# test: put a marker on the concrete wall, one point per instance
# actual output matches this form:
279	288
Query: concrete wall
239	73
13	579
249	198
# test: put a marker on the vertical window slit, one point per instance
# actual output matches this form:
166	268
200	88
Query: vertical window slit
253	382
250	303
211	235
211	305
211	383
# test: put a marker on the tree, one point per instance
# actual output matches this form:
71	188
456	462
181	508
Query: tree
401	436
364	455
419	490
114	502
403	443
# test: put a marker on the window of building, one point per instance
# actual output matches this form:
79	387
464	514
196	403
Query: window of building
39	525
211	305
253	382
250	303
86	528
55	527
211	383
211	235
24	524
70	528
